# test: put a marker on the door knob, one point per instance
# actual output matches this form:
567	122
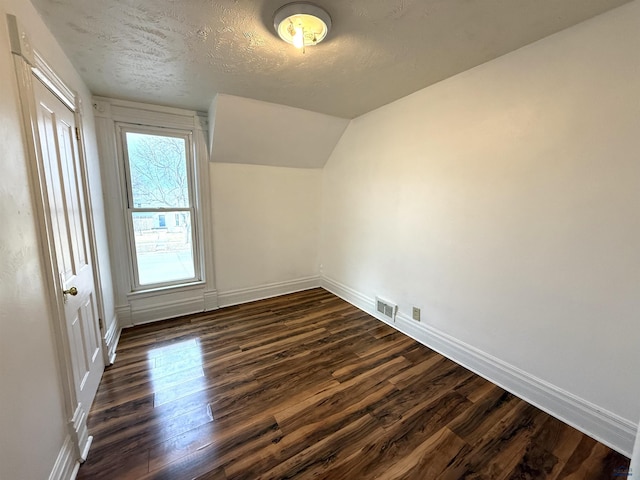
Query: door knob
73	291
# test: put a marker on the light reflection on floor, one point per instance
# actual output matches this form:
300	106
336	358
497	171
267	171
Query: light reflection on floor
183	415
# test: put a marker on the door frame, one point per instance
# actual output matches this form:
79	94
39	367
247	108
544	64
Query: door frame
29	67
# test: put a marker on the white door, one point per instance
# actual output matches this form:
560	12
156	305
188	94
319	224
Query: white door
65	191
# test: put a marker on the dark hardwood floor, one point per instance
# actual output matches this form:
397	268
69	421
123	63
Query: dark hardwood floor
307	386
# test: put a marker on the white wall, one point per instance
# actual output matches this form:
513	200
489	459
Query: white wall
263	224
248	131
30	397
504	203
32	419
266	225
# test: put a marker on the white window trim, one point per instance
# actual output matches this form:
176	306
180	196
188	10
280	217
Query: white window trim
136	306
192	173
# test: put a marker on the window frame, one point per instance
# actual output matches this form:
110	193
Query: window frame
193	208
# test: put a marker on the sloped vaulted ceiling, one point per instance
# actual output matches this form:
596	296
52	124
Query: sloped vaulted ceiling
182	53
186	53
249	131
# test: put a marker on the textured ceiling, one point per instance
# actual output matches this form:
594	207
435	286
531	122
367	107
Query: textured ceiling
182	52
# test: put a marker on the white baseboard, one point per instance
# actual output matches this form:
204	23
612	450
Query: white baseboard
123	314
600	424
66	466
79	432
111	339
210	300
244	295
74	449
148	313
153	307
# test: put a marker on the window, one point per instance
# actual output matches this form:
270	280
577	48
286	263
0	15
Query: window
160	207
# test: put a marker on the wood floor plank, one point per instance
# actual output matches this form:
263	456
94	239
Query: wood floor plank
229	441
427	460
306	386
319	453
536	463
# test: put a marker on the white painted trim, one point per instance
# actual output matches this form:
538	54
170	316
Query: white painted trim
66	466
46	75
80	432
144	306
244	295
148	114
600	424
20	43
210	300
141	106
192	208
164	305
150	309
205	212
156	311
350	295
173	289
111	339
123	314
634	466
113	206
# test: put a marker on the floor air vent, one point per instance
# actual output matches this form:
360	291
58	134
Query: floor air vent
385	308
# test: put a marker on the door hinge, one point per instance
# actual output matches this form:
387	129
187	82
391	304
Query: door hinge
77	134
101	324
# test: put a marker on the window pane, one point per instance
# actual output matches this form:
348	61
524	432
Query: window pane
158	171
164	247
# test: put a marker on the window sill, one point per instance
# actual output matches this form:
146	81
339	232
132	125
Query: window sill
155	291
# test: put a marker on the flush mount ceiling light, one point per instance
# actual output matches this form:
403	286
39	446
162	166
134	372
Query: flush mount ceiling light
302	24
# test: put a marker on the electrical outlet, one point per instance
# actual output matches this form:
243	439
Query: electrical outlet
416	314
